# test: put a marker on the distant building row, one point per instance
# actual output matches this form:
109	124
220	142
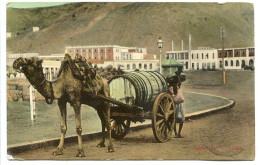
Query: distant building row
205	58
127	58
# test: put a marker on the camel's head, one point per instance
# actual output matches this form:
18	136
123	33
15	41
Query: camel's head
31	67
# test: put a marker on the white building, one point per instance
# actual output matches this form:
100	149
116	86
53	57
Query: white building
132	65
36	29
98	54
51	64
205	58
128	58
8	35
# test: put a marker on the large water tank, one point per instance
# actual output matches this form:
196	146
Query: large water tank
138	88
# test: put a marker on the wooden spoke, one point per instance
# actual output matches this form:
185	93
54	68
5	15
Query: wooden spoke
161	107
159	122
158	114
120	128
168	126
124	125
171	111
163	117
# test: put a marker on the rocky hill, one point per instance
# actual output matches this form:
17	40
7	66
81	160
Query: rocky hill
129	24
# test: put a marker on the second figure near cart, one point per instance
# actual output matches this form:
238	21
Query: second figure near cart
177	96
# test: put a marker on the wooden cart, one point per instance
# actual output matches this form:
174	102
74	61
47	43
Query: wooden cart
137	96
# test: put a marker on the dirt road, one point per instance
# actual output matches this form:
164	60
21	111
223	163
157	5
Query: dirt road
225	135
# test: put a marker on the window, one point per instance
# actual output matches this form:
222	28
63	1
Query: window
192	56
204	65
213	65
226	63
140	66
197	56
231	63
243	63
128	66
134	66
213	55
186	56
208	66
151	66
192	65
202	56
145	66
237	63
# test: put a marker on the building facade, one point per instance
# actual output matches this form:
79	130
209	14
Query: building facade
205	58
101	53
127	58
51	64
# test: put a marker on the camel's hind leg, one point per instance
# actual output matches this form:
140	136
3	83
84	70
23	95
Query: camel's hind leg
103	123
77	107
104	112
63	123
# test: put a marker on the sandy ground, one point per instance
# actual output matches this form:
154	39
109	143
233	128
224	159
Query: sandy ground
225	135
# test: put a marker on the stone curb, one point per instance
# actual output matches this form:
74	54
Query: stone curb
14	149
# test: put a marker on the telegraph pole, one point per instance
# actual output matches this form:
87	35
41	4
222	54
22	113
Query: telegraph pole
222	30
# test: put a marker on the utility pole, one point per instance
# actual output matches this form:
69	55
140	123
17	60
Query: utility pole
222	30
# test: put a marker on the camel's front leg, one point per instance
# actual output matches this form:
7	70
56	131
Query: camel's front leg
63	123
76	107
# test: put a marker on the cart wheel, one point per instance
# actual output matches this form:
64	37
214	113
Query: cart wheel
163	117
119	128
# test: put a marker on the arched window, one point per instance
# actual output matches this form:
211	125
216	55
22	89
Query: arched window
243	63
145	66
151	66
134	66
140	66
237	63
226	63
231	63
251	62
128	66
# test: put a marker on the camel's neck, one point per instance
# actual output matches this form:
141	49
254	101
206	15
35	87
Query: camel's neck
46	88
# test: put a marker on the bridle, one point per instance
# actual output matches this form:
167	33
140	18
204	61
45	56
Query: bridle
48	100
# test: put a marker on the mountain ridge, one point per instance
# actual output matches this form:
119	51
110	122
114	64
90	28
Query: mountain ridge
130	24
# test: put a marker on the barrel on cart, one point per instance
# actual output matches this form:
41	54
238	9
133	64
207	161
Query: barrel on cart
137	96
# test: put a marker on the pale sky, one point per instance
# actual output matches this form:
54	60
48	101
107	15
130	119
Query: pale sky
34	4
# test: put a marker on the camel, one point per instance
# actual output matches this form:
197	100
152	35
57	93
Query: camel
68	89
